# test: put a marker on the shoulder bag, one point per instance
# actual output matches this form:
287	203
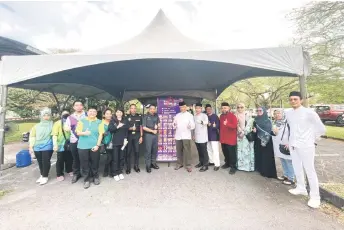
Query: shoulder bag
67	142
283	148
251	135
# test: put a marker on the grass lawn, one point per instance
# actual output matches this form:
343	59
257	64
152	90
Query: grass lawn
19	129
335	132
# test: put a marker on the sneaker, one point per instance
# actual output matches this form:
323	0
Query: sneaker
288	182
116	178
96	181
314	203
71	174
39	179
297	192
282	178
87	184
60	178
121	176
44	180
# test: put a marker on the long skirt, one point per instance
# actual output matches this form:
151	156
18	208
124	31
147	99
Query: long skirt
265	159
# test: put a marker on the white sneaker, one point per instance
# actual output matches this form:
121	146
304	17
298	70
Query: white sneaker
116	178
44	180
39	179
121	176
297	192
314	203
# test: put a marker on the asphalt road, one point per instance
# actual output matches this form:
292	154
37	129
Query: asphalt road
165	199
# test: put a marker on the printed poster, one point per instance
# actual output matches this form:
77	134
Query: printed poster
167	109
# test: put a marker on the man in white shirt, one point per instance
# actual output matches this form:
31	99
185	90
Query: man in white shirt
201	138
183	123
305	128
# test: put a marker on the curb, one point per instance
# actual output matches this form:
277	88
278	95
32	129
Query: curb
332	138
332	198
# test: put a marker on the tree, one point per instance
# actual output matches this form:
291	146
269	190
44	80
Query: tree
320	29
261	91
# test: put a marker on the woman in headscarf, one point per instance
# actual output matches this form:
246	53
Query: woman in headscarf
119	129
281	130
263	148
41	144
245	148
61	147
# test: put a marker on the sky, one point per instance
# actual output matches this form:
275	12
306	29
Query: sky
91	25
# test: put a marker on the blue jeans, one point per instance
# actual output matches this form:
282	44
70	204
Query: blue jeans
288	170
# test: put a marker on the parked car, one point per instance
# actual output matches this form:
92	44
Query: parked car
330	113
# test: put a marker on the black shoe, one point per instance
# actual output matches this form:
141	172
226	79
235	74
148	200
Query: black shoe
178	167
211	164
225	166
148	169
87	184
105	174
154	166
203	169
198	165
216	168
232	171
75	178
128	171
137	169
96	181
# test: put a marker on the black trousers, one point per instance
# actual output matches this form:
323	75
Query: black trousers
89	162
108	162
43	159
76	158
230	154
117	160
151	142
64	163
133	147
203	153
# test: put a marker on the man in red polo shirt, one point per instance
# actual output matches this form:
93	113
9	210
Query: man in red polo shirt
228	137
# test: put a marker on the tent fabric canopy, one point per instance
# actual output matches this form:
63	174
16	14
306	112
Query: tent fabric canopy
152	61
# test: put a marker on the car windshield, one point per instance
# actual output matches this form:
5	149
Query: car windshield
322	108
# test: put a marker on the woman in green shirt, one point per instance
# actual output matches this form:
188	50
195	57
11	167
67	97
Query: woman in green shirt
107	137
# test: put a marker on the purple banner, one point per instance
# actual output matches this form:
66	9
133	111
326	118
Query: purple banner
167	110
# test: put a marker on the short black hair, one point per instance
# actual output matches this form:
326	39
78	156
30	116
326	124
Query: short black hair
92	107
207	106
152	105
198	105
295	94
78	101
107	109
132	105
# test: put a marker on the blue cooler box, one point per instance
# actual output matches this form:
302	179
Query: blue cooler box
23	159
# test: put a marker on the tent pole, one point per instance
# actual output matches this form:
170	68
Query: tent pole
303	89
216	102
3	101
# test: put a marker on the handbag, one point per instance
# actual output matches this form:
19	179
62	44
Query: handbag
282	148
250	136
66	146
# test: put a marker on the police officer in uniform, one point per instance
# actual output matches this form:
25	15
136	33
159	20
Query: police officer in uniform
135	134
150	126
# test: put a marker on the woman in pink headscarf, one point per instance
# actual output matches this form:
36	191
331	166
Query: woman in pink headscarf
245	148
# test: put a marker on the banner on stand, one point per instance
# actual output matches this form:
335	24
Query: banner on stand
168	108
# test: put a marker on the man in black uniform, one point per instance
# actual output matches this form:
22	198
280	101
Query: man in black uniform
135	134
150	125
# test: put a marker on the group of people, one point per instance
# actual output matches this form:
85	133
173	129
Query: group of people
80	138
252	144
248	144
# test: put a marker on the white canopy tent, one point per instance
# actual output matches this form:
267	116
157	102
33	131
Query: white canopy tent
159	59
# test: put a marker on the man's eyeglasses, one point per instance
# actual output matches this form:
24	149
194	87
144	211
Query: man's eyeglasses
259	110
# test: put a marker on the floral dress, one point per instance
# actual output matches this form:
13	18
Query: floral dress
245	149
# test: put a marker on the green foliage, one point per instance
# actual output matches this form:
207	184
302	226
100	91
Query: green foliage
320	29
263	91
